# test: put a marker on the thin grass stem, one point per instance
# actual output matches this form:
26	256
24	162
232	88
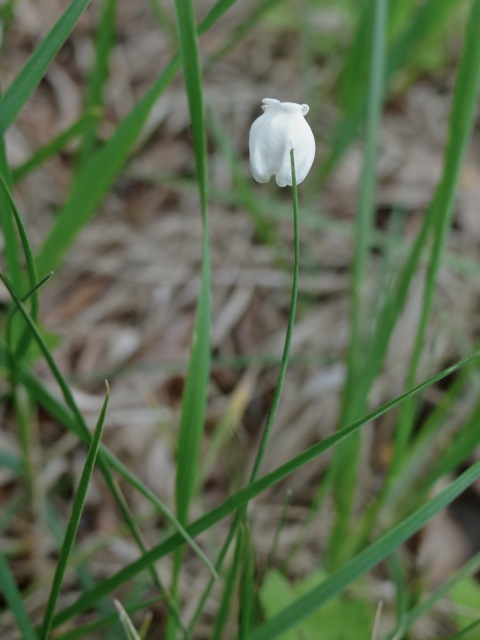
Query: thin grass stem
462	115
353	404
194	401
74	521
84	433
237	501
272	413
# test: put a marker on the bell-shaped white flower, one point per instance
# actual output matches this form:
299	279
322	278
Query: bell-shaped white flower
273	135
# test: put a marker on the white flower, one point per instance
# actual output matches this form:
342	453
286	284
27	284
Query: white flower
281	128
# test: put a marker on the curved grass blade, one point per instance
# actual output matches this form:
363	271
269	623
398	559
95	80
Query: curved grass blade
364	561
14	599
259	11
223	610
104	42
51	149
246	196
353	76
98	175
272	413
194	399
422	24
247	583
241	498
34	69
30	261
399	579
85	631
353	404
469	569
215	13
10	248
273	410
195	394
64	417
127	624
82	430
459	449
461	122
466	630
74	521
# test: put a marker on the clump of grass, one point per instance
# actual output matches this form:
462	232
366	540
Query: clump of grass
378	50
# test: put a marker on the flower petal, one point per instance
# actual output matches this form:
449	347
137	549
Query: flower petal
281	128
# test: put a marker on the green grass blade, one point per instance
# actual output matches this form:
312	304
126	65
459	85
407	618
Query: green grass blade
247	197
24	419
247	584
364	561
386	322
29	259
355	70
466	630
414	466
429	16
215	13
422	24
345	463
393	306
259	11
469	569
195	393
64	417
82	430
462	445
238	500
13	597
397	573
11	248
462	114
104	41
12	510
127	624
363	232
165	20
86	631
97	177
221	617
51	149
74	521
272	412
198	374
272	554
34	69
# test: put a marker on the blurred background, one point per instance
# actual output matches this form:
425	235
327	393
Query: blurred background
122	301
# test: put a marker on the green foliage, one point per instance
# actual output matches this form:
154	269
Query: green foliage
345	464
465	597
357	566
73	523
348	617
127	624
196	384
383	50
14	599
33	71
